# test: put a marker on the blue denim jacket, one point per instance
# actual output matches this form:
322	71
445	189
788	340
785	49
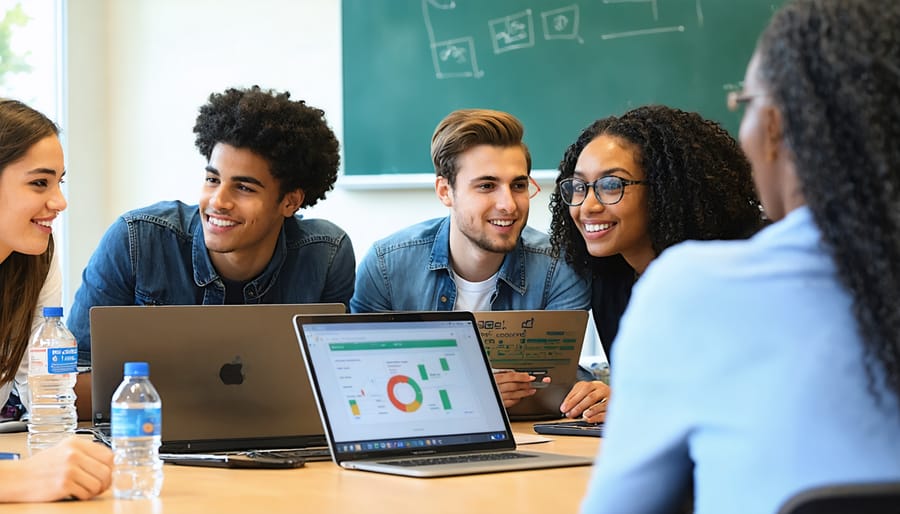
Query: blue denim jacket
157	256
409	270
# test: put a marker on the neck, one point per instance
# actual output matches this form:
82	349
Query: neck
471	262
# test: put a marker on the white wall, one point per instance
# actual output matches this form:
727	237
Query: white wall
140	69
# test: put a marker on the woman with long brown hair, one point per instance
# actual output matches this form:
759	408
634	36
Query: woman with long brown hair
31	173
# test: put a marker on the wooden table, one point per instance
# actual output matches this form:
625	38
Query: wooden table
325	487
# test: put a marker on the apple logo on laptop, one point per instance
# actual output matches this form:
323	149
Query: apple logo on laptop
232	373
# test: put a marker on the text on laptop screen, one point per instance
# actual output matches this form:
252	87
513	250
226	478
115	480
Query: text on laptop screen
419	379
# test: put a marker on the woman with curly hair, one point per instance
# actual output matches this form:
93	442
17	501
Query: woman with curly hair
31	171
758	369
633	185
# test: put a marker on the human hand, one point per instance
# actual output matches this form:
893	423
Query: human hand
74	468
588	400
515	385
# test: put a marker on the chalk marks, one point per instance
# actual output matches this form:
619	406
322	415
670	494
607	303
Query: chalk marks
456	57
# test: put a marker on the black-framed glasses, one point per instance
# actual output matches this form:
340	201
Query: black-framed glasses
608	190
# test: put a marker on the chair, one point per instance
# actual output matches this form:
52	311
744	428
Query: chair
863	498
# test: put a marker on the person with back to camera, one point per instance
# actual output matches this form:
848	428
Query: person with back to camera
268	157
762	368
31	172
482	256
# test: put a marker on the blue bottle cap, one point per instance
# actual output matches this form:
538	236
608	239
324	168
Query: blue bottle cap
137	369
53	312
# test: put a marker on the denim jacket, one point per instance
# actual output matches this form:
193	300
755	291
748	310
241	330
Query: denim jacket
157	256
410	270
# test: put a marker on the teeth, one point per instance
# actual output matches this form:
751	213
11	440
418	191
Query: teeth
221	223
45	223
597	227
502	223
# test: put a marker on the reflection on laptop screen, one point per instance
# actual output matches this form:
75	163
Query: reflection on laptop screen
392	385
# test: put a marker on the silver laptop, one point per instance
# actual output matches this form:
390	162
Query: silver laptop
411	394
231	377
543	343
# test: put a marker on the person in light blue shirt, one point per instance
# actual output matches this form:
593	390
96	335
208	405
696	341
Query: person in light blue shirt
268	156
754	370
482	256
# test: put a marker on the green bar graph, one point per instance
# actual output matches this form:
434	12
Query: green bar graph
445	399
422	372
444	365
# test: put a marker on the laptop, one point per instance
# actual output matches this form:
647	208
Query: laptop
231	377
411	394
542	343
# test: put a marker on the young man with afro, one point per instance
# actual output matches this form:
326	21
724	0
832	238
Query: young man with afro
267	157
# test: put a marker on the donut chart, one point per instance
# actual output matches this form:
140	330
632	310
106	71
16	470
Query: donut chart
395	381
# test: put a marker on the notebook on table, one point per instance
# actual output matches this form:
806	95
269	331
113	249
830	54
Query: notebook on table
411	394
543	343
231	377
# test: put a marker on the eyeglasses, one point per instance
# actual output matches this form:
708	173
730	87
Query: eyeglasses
736	99
533	188
608	190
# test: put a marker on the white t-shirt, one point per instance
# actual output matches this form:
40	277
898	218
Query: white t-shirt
51	296
473	296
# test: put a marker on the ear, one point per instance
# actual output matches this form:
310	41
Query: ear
774	133
444	191
291	202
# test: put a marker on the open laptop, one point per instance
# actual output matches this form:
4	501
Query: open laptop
543	343
231	377
411	394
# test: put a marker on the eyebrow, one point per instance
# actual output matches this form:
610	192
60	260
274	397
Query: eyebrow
45	171
605	173
237	178
495	179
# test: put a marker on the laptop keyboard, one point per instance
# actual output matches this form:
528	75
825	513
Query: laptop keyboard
456	459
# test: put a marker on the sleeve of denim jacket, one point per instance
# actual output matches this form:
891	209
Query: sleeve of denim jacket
568	290
341	274
371	294
108	279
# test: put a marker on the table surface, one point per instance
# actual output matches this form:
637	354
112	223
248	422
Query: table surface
325	487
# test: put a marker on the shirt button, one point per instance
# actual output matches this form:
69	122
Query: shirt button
443	299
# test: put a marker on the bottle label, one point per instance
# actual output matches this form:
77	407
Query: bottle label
54	361
136	422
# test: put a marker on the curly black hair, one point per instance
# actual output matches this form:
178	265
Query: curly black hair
699	184
833	70
293	137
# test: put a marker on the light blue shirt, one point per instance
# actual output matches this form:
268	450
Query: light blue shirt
410	271
743	361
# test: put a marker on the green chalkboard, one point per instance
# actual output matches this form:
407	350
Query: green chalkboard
556	65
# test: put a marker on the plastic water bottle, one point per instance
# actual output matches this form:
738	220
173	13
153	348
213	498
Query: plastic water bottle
136	428
52	361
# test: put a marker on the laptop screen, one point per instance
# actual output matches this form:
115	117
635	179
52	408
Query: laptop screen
386	382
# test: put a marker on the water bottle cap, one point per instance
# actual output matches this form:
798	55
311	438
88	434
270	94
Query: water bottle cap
53	312
137	369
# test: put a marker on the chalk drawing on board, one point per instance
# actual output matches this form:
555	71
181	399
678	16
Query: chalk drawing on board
561	23
455	58
642	32
452	58
699	9
512	32
442	5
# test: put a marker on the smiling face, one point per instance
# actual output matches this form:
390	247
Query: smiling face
30	198
488	203
621	228
242	212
